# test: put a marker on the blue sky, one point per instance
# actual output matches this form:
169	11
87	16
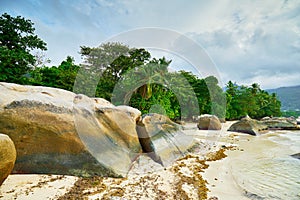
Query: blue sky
249	41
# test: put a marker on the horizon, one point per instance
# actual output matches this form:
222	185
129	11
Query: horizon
248	43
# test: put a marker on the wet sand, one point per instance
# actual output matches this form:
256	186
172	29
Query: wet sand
221	182
191	177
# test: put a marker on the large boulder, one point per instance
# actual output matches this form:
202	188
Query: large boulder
7	157
249	126
209	122
157	123
162	139
282	123
151	127
133	112
58	132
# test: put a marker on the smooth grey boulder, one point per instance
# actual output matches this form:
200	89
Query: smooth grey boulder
281	123
209	122
249	126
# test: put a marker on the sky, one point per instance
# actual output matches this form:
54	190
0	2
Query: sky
247	41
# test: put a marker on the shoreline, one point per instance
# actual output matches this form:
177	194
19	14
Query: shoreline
221	183
188	177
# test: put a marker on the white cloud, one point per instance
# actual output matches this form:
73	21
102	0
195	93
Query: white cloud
249	40
259	44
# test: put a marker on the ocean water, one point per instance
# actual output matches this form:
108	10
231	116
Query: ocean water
264	168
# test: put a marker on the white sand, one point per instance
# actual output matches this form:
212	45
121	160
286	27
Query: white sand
35	187
139	185
221	182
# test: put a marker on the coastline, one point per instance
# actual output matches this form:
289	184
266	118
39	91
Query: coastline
221	182
189	177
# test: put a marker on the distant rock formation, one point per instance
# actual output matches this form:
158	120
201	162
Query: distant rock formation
282	123
58	132
249	126
7	157
254	127
209	122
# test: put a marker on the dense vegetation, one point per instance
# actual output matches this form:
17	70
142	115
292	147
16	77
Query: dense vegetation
126	75
252	101
16	40
131	76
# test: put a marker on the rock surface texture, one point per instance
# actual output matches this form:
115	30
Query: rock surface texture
162	139
156	123
209	122
7	157
281	123
59	132
249	126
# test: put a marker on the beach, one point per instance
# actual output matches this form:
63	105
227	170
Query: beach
214	168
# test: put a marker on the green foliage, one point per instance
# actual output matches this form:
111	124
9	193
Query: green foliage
17	39
149	88
62	76
104	66
162	101
290	113
127	76
210	97
250	101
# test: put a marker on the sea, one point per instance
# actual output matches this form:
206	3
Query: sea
263	166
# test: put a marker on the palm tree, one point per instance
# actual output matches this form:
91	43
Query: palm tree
255	88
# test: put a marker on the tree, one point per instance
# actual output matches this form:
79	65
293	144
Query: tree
154	72
101	69
252	101
134	60
17	39
146	87
211	98
62	76
199	88
217	97
105	65
40	59
231	100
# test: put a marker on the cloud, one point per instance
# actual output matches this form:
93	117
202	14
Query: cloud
257	46
248	41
